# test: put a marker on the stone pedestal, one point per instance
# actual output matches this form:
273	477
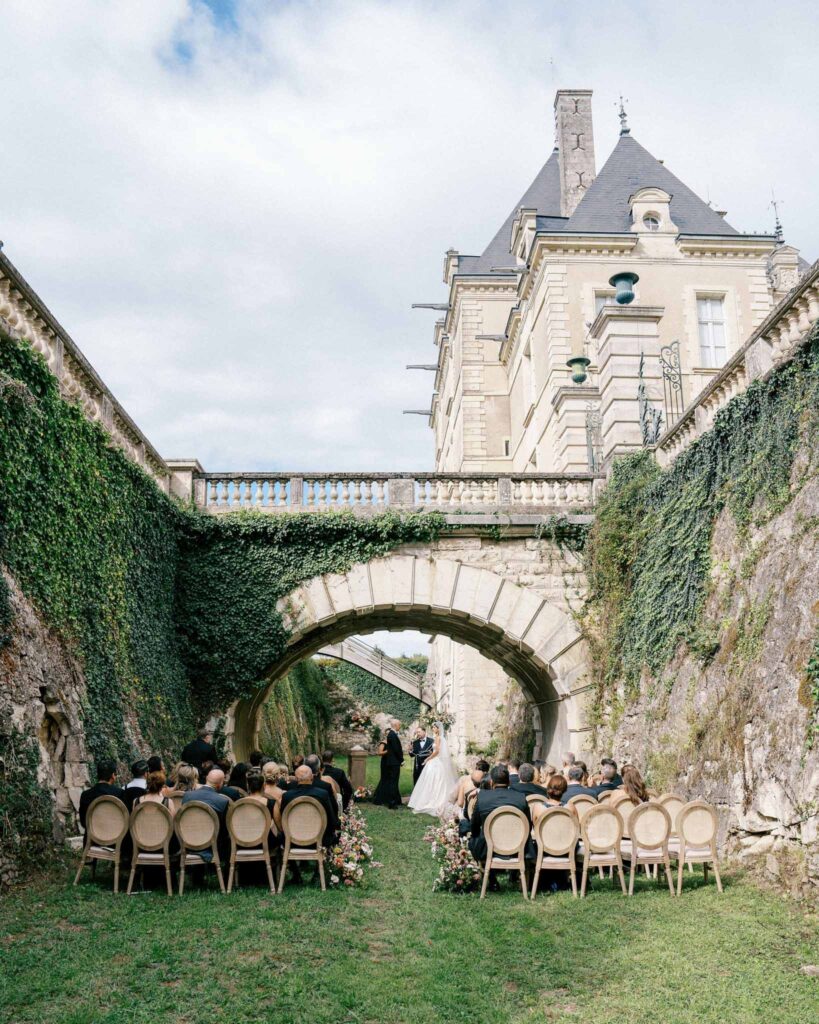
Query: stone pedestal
623	335
357	767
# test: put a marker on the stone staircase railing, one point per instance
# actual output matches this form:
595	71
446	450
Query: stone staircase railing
372	492
775	341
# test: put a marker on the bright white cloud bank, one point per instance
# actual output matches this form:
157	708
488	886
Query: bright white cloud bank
231	214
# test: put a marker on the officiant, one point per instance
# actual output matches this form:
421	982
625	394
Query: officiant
420	750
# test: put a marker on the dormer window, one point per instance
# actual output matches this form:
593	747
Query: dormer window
651	211
651	222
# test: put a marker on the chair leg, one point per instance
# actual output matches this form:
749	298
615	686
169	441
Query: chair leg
680	868
230	874
168	879
621	873
131	876
182	873
485	877
667	863
585	876
572	879
116	877
705	872
82	865
219	874
269	867
717	879
631	878
285	859
523	880
321	873
536	877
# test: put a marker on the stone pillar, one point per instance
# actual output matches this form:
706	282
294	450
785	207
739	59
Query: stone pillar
572	405
183	472
623	334
574	138
357	766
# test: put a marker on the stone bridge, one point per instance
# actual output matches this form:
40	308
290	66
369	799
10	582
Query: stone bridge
355	652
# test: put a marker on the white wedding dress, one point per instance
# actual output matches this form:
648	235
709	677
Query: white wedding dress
435	788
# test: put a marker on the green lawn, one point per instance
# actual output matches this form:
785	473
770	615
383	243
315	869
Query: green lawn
394	951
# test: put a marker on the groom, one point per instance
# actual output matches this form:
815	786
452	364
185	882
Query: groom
391	766
420	750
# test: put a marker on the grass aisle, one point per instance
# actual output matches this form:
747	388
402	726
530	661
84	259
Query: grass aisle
394	952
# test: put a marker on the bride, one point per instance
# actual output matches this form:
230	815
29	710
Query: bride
433	791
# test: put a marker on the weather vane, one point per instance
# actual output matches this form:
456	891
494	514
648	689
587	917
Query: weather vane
624	128
775	204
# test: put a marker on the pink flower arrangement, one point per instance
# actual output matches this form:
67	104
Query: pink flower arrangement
459	871
363	793
353	851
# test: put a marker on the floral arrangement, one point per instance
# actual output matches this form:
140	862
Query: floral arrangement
359	720
363	793
459	871
353	851
429	718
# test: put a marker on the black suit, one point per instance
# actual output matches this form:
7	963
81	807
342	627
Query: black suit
489	800
421	749
575	789
529	788
101	789
388	791
340	776
319	793
197	751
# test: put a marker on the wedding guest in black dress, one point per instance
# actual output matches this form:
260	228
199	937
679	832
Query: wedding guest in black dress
388	792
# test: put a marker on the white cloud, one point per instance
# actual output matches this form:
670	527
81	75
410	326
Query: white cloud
235	240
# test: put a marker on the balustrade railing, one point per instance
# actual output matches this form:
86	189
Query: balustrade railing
372	492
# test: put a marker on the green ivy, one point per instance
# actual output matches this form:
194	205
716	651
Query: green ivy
812	681
374	692
297	714
648	556
25	807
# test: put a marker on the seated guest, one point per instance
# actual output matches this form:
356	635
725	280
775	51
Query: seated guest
238	776
469	783
513	768
155	763
526	782
339	775
211	794
155	792
609	776
106	786
568	761
634	785
255	759
298	760
499	795
274	777
137	786
584	766
313	762
200	750
555	789
255	791
205	768
545	773
187	778
577	773
307	785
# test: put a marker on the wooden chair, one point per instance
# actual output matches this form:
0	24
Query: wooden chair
601	830
625	808
607	794
697	827
537	804
556	834
673	804
197	828
650	828
506	831
471	797
151	832
581	804
248	824
176	796
304	822
106	825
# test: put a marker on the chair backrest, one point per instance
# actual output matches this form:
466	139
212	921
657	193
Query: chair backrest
697	823
673	804
471	797
506	830
176	795
240	790
557	831
625	809
106	821
601	828
537	798
151	825
607	794
650	825
581	803
197	825
248	822
304	821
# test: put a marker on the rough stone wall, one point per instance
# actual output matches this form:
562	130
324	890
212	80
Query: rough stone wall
41	696
735	730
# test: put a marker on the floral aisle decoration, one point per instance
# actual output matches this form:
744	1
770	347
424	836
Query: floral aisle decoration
353	851
363	793
459	871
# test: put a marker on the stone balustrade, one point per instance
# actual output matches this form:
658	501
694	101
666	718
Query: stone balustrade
373	492
774	342
25	316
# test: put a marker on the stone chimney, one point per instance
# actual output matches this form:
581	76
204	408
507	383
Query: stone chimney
575	141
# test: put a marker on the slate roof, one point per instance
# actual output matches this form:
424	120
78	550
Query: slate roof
542	195
604	207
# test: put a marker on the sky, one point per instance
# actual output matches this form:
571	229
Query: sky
231	205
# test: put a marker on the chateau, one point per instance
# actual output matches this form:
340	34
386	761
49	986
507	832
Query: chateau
540	369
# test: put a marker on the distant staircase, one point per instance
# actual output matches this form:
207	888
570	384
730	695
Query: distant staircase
356	652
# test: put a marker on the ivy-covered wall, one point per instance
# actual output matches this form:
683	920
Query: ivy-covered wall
374	692
297	714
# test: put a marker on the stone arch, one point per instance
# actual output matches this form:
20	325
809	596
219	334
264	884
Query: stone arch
535	642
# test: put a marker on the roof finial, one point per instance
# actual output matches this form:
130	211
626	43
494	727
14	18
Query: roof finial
776	203
624	128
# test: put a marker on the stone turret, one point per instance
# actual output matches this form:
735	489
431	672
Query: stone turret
575	141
